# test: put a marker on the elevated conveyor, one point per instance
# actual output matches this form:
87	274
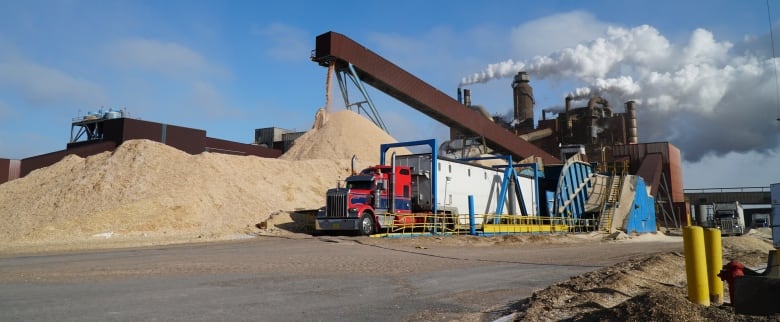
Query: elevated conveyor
344	53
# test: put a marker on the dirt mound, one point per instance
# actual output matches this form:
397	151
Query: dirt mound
748	249
604	288
339	135
667	304
650	288
148	189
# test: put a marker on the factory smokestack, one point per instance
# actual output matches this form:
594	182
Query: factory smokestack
467	97
567	116
523	95
633	137
460	96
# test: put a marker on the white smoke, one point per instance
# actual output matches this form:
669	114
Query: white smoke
623	86
699	95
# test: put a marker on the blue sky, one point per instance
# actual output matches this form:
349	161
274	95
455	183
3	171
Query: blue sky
699	68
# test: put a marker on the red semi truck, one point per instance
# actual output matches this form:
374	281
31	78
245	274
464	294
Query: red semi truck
413	187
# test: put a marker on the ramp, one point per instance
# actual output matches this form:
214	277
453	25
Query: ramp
346	54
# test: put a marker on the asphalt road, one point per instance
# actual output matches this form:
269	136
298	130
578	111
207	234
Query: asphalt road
298	279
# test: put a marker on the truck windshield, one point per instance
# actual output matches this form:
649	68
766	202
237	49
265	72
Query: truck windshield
364	185
724	214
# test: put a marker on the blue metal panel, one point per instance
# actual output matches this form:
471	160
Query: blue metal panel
641	219
434	159
571	192
472	226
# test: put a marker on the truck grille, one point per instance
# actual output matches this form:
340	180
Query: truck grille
336	203
728	226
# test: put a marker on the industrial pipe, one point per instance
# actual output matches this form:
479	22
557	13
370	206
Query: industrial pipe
695	265
472	222
714	254
597	100
536	135
568	119
391	191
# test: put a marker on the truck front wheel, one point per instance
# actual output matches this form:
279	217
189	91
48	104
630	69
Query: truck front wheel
366	224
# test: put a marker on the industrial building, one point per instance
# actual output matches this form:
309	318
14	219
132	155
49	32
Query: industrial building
590	182
588	156
96	133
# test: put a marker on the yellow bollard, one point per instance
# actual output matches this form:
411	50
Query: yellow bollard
714	254
695	265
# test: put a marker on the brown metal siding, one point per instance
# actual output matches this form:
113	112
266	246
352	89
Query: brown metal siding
230	147
136	129
676	175
650	170
4	170
113	129
83	150
14	169
188	140
116	131
398	83
672	162
92	149
40	161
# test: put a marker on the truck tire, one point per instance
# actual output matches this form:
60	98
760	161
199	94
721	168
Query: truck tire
366	224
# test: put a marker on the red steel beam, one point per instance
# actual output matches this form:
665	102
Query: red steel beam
405	87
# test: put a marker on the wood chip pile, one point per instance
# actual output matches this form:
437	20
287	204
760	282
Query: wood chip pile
149	190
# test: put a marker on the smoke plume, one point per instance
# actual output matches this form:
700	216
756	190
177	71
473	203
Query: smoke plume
705	96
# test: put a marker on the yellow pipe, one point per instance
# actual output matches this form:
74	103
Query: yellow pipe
714	252
695	265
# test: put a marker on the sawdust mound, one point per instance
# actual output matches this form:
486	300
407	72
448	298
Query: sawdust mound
149	189
339	135
604	288
663	305
649	288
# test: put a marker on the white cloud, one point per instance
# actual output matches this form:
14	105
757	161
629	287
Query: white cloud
550	33
696	94
431	50
167	58
41	85
208	101
288	43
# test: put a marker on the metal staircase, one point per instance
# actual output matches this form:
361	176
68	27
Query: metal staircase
612	200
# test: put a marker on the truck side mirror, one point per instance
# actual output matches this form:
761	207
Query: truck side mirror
380	185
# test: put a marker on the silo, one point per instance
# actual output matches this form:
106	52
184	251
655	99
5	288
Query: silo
702	214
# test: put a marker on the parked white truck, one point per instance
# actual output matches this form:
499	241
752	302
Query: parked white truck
729	217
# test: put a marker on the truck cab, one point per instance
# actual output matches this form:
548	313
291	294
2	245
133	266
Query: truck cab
370	200
729	217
